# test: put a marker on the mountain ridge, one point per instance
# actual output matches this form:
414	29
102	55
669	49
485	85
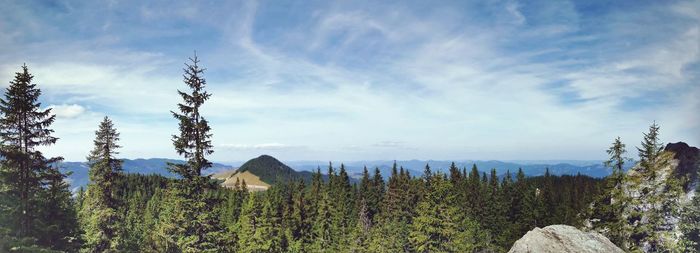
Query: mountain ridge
305	169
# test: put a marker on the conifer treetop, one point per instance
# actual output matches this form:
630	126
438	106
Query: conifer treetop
194	139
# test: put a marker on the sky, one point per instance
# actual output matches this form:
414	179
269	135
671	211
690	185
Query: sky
365	80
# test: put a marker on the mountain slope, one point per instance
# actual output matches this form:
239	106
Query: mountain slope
269	169
261	172
159	166
253	182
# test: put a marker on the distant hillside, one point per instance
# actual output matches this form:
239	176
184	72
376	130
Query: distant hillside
253	182
158	166
270	170
261	172
415	167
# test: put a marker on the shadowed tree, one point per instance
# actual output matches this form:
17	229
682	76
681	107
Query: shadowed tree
29	184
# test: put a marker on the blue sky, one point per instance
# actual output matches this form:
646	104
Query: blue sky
355	80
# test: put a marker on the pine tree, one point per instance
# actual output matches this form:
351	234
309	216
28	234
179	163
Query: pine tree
551	213
101	218
439	227
314	194
269	235
375	196
360	233
299	225
658	198
249	223
133	223
58	220
340	192
389	236
391	205
455	174
201	231
473	195
363	190
24	127
496	209
533	209
611	205
503	238
322	227
517	207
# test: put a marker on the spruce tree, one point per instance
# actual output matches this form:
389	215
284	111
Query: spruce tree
314	193
24	127
269	236
517	207
101	218
340	192
322	227
610	207
473	195
658	197
201	231
249	223
391	205
360	233
439	226
299	225
58	225
503	238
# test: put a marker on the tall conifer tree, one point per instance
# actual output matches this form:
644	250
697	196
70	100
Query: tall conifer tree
101	218
201	229
611	205
24	127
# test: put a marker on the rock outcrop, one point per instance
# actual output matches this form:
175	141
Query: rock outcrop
561	239
687	160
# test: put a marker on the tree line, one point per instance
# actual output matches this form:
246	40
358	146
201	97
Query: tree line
458	211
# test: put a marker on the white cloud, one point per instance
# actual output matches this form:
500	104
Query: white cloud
67	111
435	80
263	146
389	144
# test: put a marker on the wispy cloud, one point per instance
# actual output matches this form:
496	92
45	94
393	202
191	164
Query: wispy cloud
262	146
483	80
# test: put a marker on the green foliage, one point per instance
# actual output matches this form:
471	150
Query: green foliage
36	209
609	209
657	198
194	223
100	208
58	225
439	226
690	224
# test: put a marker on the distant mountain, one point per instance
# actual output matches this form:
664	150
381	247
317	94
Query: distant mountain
79	170
415	167
269	169
261	172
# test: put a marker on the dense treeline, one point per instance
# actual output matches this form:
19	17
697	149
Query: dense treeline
461	210
404	213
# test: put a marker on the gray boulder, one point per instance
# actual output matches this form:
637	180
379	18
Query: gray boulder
563	238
